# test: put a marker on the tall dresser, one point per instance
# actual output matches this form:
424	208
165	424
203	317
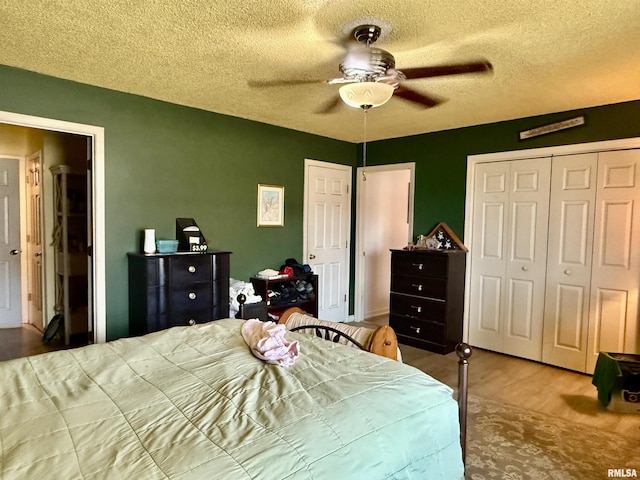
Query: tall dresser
427	298
167	290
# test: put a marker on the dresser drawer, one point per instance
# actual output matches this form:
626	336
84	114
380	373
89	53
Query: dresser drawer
190	317
187	269
192	298
418	308
420	286
418	329
425	264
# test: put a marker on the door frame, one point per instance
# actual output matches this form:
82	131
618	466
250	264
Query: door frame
473	160
96	134
305	219
360	228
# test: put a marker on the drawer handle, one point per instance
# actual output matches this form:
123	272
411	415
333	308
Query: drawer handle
417	308
192	322
419	266
417	329
192	295
419	287
192	269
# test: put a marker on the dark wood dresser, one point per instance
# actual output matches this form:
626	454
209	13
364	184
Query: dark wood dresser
167	290
427	298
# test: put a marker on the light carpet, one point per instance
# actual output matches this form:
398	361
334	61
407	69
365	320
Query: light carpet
510	443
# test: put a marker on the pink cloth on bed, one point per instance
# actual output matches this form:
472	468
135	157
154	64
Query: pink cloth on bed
266	341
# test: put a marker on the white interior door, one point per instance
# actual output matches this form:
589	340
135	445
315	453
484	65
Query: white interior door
615	274
327	234
10	280
566	318
34	241
488	262
511	206
527	257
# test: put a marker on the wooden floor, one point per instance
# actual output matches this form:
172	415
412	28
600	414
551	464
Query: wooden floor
25	341
542	388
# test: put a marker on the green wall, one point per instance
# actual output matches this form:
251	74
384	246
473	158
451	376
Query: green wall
441	157
165	161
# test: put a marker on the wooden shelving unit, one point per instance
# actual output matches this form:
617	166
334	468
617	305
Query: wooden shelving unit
70	248
262	287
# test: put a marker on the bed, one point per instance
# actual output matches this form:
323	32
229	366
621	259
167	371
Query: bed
194	403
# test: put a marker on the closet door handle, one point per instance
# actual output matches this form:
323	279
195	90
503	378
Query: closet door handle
567	272
524	268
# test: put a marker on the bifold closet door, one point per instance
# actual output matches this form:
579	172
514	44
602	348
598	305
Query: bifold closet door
615	277
571	218
593	265
510	212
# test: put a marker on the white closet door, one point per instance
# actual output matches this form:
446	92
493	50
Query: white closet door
488	262
527	257
509	253
569	260
613	318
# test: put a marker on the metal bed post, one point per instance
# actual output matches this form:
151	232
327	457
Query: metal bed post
463	351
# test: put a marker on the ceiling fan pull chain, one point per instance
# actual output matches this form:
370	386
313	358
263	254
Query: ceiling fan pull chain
365	108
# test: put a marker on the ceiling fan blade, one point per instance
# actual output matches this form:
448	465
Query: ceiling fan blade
413	96
329	106
441	70
281	83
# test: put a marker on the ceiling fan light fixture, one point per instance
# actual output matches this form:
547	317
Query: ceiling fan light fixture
366	94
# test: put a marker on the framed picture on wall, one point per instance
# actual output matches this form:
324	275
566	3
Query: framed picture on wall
270	205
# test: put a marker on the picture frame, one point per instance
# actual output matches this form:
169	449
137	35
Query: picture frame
270	205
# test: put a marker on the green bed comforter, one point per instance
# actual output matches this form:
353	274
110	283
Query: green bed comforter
194	403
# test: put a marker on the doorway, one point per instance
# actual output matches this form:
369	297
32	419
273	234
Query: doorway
96	186
384	218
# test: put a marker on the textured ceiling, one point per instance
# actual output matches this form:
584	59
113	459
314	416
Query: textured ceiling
548	56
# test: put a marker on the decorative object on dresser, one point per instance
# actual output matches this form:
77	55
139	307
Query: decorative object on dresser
440	238
282	293
427	298
167	290
189	236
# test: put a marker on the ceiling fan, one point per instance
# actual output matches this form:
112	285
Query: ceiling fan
365	66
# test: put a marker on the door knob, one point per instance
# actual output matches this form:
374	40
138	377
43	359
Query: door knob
524	268
312	256
14	252
567	272
39	254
